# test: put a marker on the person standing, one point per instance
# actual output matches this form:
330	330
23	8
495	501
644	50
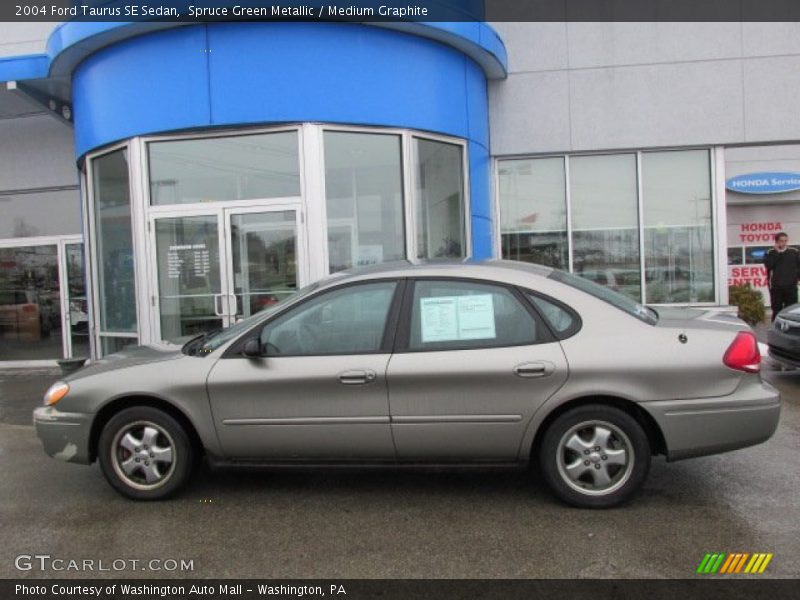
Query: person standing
783	269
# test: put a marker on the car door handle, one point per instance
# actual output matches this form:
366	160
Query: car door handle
357	377
534	369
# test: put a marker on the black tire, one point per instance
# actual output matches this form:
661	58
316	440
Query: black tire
140	484
594	478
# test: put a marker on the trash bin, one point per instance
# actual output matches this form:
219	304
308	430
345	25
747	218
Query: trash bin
70	365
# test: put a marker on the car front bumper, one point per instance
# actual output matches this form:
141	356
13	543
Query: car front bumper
705	426
65	436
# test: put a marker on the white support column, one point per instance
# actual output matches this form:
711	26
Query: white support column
720	223
568	200
312	168
138	183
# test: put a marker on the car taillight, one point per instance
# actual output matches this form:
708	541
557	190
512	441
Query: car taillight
743	354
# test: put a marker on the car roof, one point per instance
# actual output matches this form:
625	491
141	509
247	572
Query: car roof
470	267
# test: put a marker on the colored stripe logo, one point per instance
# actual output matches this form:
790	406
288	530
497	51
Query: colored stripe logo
733	563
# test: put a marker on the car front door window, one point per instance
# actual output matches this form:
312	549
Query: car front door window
349	320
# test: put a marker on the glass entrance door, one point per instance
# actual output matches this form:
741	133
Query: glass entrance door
263	250
189	279
215	268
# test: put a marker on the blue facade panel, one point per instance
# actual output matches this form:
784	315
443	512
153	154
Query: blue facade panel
152	83
481	237
336	73
239	74
256	73
480	197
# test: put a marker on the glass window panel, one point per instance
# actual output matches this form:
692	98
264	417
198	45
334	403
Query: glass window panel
264	259
30	304
678	235
76	300
114	243
110	344
343	321
364	196
735	255
240	167
40	213
455	314
440	199
754	255
605	221
187	253
533	211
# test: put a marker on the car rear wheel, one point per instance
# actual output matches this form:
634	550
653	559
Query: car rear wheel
595	456
145	454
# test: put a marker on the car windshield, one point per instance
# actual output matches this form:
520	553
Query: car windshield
208	342
620	301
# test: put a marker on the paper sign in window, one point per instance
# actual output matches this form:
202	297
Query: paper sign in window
455	318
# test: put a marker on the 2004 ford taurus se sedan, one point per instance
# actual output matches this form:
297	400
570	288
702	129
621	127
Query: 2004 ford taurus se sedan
481	363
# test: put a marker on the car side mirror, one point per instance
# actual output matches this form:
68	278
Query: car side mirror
252	349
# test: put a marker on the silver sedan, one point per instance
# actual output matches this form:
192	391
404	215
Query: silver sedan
474	363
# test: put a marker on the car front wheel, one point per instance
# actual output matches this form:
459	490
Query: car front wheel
145	454
595	456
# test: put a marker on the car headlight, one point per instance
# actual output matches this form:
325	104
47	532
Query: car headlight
55	393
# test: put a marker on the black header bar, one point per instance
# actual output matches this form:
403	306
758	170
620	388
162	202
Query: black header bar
400	10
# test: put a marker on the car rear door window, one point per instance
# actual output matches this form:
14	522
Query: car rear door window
464	314
348	320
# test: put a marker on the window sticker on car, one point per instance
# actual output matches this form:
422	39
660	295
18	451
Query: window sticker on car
454	318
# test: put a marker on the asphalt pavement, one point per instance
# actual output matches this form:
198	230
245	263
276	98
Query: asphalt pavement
394	524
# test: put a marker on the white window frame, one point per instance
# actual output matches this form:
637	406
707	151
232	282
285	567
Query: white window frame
310	204
60	242
718	217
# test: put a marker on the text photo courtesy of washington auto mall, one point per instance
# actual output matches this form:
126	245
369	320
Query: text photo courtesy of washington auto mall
434	299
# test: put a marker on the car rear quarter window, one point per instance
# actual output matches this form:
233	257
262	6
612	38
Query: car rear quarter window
564	321
459	315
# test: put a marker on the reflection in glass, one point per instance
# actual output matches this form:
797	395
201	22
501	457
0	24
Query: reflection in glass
754	255
110	344
735	255
264	259
187	253
678	236
30	214
349	320
114	243
605	221
240	167
364	195
533	211
30	305
439	200
76	300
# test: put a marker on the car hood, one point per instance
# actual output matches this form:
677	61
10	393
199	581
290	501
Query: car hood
791	313
129	357
698	318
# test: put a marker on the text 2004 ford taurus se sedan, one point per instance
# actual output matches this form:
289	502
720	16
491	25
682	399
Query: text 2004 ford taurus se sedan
470	363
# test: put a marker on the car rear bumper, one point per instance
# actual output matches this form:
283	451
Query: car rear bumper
64	435
705	426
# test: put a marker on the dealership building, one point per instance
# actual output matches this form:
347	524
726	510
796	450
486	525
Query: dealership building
158	180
